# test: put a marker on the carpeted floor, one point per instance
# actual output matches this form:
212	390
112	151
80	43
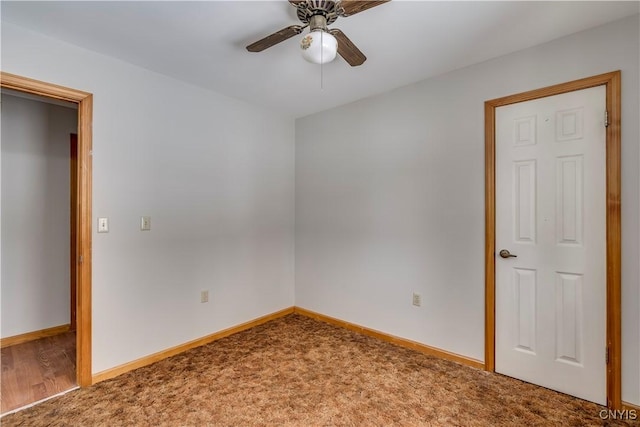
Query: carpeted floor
296	371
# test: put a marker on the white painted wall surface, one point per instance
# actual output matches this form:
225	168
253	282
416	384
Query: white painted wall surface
390	196
216	175
35	214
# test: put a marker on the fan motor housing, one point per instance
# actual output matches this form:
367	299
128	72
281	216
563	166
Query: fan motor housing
310	8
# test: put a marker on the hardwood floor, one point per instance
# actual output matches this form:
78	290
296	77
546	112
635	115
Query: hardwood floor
37	369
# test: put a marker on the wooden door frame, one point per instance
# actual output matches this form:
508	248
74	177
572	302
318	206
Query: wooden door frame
73	252
612	82
83	208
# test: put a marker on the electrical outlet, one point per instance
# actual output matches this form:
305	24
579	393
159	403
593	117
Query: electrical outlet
204	296
417	300
145	223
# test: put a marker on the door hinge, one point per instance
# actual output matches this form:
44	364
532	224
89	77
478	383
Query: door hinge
606	118
607	356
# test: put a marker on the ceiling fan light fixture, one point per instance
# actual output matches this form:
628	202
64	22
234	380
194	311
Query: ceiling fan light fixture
319	47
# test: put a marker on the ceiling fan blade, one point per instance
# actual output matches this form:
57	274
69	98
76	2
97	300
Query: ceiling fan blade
351	7
347	49
275	38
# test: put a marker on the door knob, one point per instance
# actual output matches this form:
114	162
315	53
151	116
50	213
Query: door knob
506	254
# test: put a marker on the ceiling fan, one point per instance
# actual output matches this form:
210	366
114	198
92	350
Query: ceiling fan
321	44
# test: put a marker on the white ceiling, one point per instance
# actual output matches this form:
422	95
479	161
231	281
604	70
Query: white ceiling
405	41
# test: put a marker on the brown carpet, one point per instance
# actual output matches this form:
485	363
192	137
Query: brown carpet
296	371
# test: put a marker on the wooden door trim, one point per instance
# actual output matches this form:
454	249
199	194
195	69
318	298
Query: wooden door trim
612	82
73	253
83	208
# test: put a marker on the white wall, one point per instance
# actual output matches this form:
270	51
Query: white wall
390	196
35	214
216	175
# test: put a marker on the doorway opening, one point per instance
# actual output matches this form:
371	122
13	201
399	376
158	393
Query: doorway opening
80	210
611	82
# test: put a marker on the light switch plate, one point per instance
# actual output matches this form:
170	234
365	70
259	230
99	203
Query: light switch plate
103	225
145	223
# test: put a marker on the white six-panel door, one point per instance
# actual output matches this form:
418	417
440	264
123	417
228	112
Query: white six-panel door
551	213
